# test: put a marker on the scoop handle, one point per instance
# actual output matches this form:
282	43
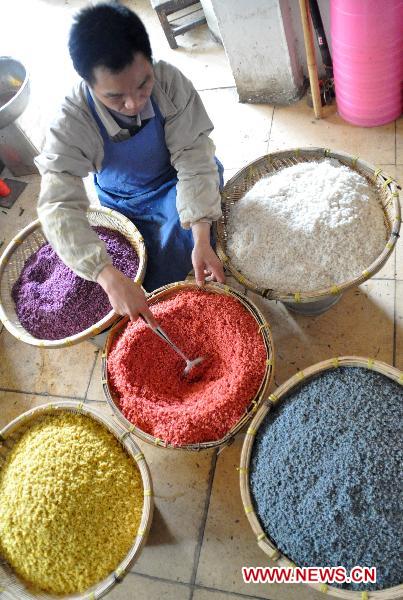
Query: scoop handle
164	336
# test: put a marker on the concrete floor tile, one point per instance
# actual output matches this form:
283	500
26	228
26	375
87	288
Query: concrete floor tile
201	594
64	371
23	212
13	404
229	536
399	141
95	391
180	481
141	588
241	131
296	127
396	171
399	325
361	324
399	257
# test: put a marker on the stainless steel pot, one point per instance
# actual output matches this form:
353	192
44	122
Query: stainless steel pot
14	90
16	151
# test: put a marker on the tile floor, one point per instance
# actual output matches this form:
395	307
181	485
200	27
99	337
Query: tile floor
200	537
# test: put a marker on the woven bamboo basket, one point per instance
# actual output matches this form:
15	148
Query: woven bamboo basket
10	584
162	294
28	241
279	395
385	186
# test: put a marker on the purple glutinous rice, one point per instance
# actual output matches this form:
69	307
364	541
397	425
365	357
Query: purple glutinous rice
52	302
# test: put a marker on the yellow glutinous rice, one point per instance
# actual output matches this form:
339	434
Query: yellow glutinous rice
70	504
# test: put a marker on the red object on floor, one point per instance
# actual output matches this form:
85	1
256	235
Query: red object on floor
4	189
148	377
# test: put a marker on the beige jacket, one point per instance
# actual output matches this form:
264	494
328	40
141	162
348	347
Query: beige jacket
74	148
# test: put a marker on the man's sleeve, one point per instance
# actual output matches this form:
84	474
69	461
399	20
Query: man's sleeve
62	207
187	129
72	150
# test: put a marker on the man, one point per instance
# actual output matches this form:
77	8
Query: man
142	129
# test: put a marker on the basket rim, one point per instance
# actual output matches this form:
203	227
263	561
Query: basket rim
299	296
101	588
265	331
280	394
20	333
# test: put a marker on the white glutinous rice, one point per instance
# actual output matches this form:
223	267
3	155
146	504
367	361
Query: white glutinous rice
306	227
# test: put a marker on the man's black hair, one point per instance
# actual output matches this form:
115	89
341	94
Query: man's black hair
106	35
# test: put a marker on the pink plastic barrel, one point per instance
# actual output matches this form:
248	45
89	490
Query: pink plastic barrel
367	44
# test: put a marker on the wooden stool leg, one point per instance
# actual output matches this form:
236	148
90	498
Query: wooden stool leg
167	29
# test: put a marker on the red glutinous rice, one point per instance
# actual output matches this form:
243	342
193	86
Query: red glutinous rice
147	375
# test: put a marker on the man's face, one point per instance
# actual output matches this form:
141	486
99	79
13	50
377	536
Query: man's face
127	91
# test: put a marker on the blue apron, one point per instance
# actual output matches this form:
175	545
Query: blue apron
138	180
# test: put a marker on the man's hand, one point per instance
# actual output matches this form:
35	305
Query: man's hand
205	261
125	296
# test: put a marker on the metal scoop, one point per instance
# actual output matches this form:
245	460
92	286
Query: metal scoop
161	333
